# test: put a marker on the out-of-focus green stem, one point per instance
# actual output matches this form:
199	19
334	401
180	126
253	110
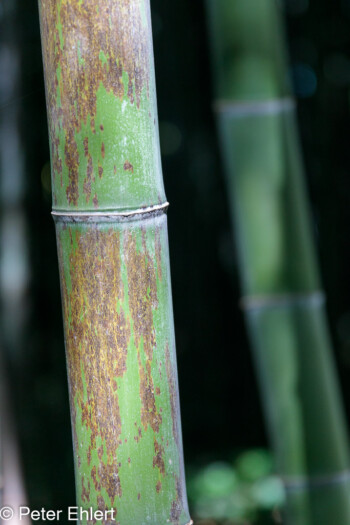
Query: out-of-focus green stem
109	206
283	303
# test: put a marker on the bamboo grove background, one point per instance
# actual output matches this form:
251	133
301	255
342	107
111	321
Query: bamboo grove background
221	410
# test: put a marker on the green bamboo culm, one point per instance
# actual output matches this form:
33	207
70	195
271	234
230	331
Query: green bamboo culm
283	301
109	208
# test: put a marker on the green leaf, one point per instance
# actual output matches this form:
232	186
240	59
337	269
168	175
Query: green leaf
254	465
268	493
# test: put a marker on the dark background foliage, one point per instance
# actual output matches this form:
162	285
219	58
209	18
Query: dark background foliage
221	410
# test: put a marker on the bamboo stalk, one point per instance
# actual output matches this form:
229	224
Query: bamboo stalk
109	208
12	486
14	264
283	303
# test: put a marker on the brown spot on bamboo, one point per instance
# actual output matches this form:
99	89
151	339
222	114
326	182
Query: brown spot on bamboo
72	162
101	503
86	146
128	166
96	483
56	160
103	152
177	505
89	177
110	480
173	393
85	494
139	435
142	300
158	460
75	50
159	487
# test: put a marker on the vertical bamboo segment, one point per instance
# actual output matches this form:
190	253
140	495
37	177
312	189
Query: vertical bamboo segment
283	303
12	486
109	207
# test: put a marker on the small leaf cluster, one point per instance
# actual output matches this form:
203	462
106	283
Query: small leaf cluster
244	491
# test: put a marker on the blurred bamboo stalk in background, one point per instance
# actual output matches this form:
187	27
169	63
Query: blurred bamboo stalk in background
283	302
14	257
14	260
110	212
12	488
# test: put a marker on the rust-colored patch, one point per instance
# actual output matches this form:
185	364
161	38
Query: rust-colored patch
101	127
55	158
72	161
158	391
78	39
142	300
103	151
128	166
85	494
86	146
158	460
95	202
110	480
175	512
139	435
100	171
139	496
159	487
173	394
97	337
89	177
96	483
177	504
149	414
101	503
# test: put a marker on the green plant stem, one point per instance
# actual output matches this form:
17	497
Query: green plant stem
109	207
284	307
